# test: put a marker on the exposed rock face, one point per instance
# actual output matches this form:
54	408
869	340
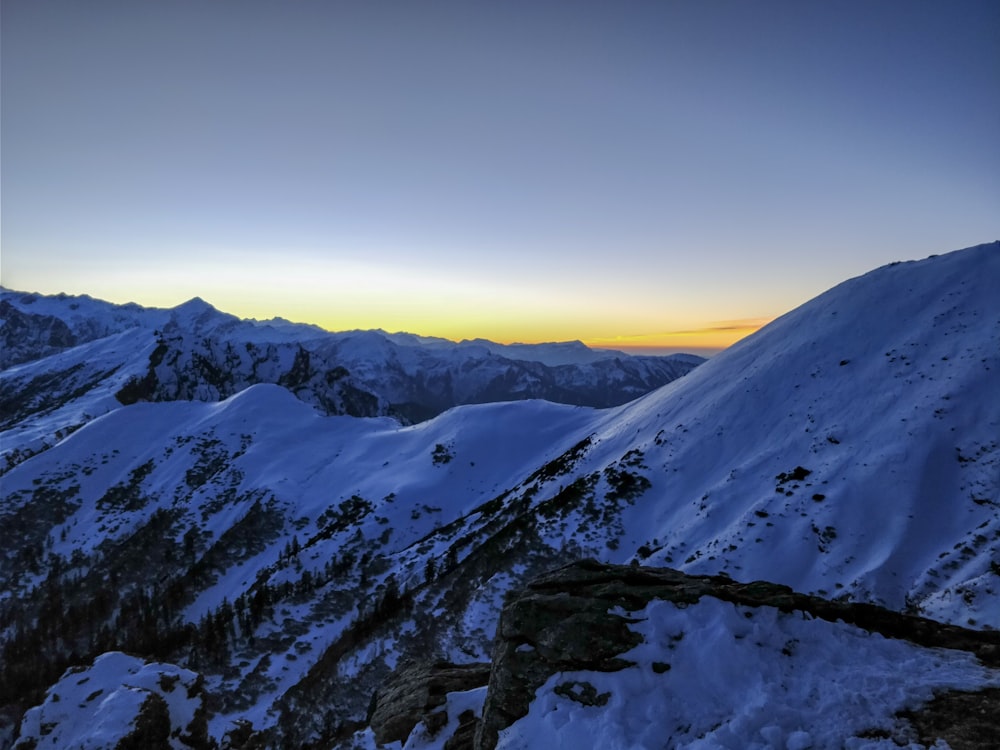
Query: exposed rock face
572	619
24	336
415	692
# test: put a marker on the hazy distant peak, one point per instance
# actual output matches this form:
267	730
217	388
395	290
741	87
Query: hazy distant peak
552	354
285	323
198	313
415	339
196	305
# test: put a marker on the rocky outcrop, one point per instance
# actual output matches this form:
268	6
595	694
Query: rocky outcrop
121	702
416	693
26	336
575	619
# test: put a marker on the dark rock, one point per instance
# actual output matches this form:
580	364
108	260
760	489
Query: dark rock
966	721
28	336
465	736
413	692
152	727
582	692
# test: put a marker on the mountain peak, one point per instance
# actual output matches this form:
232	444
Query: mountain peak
198	312
195	305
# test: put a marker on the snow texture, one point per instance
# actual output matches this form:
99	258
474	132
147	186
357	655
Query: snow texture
94	708
717	675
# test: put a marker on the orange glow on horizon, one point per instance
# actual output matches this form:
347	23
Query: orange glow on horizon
709	339
714	337
362	298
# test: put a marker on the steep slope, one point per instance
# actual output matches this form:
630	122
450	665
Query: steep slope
255	527
294	559
858	435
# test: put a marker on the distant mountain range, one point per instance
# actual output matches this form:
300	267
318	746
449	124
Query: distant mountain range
96	349
197	528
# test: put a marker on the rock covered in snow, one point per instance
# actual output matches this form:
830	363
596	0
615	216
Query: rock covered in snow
595	655
120	702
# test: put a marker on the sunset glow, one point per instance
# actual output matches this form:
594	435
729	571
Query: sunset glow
709	339
625	176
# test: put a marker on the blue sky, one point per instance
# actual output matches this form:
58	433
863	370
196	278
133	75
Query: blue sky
623	173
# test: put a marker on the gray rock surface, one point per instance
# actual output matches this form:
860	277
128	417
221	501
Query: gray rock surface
415	692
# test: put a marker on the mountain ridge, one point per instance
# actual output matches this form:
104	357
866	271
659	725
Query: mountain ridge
197	352
99	318
849	451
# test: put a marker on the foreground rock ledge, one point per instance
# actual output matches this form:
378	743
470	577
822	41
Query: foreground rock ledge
415	692
561	622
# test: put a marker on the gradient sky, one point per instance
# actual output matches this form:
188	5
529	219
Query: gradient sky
664	174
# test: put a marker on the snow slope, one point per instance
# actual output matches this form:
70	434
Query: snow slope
885	390
34	325
851	448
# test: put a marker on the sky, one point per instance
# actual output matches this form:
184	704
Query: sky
654	176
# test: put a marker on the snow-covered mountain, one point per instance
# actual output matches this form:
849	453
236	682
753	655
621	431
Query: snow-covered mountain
71	359
294	560
35	326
